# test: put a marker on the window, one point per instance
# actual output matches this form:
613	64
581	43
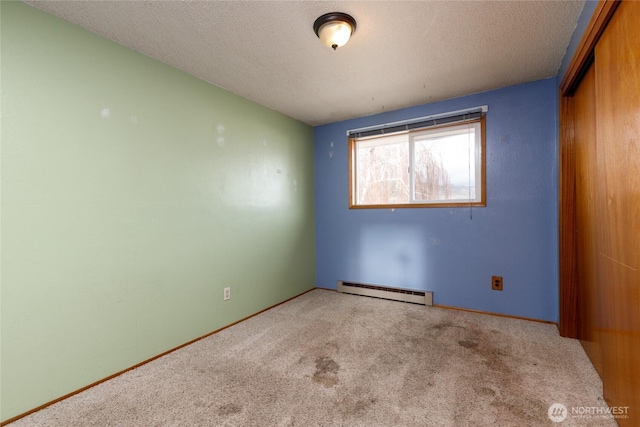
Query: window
437	166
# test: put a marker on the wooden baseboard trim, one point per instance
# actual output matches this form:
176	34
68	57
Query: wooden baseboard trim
80	390
489	313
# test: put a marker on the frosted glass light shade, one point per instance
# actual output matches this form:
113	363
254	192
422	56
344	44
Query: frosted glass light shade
334	29
335	34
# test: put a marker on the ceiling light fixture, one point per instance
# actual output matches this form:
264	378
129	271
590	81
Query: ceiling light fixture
334	29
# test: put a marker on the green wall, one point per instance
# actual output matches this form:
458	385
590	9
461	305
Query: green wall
132	194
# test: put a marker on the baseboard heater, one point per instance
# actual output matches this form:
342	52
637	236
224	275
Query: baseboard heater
386	292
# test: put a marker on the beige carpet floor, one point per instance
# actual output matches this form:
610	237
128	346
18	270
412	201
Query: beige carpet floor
329	359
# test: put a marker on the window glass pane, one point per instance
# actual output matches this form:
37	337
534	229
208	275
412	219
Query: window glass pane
382	170
445	167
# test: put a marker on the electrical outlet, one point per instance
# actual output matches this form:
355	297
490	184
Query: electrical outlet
227	293
496	283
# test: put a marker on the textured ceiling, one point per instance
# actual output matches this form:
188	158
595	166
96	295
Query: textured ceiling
403	53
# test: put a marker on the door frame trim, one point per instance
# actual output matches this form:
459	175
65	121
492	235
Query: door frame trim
580	63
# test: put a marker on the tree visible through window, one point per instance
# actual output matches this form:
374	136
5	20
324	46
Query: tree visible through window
440	166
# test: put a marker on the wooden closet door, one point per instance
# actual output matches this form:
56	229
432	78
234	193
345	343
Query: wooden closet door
586	182
617	61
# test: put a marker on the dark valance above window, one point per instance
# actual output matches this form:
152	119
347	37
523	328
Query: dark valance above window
452	117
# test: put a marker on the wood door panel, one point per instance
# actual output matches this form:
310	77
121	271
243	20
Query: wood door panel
620	337
568	322
585	226
617	61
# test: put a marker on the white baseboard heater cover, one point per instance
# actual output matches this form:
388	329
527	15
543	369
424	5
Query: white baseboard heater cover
386	292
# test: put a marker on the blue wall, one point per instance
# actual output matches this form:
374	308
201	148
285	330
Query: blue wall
583	21
445	250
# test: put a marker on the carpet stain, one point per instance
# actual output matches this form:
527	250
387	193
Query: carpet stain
486	391
415	316
442	325
518	410
202	404
492	356
229	409
468	344
389	362
326	372
362	405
